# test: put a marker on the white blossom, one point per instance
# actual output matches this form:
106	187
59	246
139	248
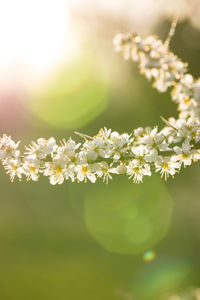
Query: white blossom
42	148
184	153
13	166
31	168
137	170
154	139
55	170
104	171
68	149
8	148
166	166
85	172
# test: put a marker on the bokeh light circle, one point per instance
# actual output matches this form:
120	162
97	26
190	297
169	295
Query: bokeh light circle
74	97
149	256
129	219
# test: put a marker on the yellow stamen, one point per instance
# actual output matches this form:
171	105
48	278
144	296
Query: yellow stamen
58	170
84	169
187	101
165	166
32	169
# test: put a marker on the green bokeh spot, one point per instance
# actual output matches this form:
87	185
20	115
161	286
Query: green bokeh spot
76	95
128	218
163	275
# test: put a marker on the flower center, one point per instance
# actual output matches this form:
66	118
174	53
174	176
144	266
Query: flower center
165	166
84	169
187	101
32	169
58	170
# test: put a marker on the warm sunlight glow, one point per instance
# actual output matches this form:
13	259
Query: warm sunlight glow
35	37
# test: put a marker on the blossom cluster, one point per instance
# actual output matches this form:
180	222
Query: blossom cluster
135	155
105	154
162	66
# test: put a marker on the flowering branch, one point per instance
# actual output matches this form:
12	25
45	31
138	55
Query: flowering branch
136	155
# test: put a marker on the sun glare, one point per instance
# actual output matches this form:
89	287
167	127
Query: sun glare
35	37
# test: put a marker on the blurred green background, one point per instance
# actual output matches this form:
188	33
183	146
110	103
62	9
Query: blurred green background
97	241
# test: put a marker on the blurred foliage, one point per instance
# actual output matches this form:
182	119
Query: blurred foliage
79	241
75	96
126	218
